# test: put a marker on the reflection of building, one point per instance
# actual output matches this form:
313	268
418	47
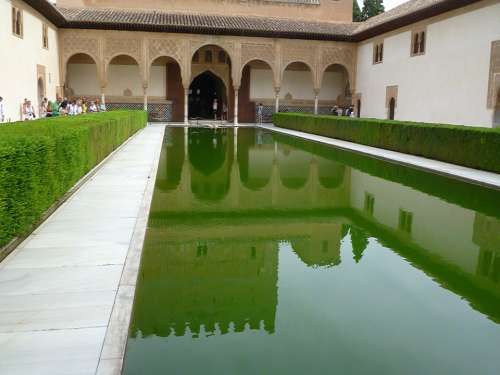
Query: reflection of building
206	285
174	57
300	193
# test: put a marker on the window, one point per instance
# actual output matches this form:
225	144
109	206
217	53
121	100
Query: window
418	43
405	221
208	56
378	52
45	36
369	203
222	57
17	22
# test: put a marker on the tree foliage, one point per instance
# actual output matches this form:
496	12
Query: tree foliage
356	12
372	8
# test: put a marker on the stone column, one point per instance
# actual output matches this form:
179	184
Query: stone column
145	90
186	106
316	100
103	96
236	90
277	99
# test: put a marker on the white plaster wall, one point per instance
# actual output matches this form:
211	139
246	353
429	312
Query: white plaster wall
446	85
82	78
298	83
434	220
20	56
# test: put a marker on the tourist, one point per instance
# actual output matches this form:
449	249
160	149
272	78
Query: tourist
63	107
2	110
92	108
102	106
260	113
29	111
78	107
334	111
52	109
43	108
215	106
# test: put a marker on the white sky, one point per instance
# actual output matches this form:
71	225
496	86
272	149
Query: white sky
389	4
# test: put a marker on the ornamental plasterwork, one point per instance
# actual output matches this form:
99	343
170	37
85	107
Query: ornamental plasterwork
122	46
304	54
338	55
166	47
73	44
254	51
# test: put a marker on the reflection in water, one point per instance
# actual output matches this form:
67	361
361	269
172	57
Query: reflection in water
253	235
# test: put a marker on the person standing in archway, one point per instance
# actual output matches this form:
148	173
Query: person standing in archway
215	107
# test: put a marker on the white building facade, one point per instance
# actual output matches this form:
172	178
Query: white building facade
427	60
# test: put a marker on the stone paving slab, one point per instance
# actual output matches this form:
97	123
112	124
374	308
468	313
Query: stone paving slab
475	176
58	289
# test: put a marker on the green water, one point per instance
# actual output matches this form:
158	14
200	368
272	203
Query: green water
266	254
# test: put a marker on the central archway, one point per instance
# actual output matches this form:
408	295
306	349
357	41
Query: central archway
205	89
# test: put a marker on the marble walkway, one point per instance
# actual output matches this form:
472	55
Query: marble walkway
58	288
471	175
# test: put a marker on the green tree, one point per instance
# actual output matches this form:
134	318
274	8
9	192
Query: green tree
372	8
356	12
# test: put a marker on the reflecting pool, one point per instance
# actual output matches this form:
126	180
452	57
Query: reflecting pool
267	254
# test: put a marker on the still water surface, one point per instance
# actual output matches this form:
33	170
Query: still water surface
266	254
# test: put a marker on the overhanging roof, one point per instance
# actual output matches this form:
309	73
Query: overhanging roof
163	21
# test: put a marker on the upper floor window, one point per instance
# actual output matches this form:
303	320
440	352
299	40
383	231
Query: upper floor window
196	57
378	52
222	57
45	36
418	40
208	56
17	22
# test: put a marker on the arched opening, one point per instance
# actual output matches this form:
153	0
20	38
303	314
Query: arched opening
40	91
258	76
165	90
496	112
81	77
392	108
297	88
124	84
358	108
210	91
207	96
335	89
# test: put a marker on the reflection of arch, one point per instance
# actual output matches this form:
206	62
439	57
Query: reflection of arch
392	108
294	166
314	253
169	171
330	173
251	179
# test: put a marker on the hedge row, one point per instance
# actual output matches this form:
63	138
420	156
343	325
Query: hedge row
41	160
472	147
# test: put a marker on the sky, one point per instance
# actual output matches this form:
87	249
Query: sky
389	4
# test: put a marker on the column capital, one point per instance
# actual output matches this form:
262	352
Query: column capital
317	91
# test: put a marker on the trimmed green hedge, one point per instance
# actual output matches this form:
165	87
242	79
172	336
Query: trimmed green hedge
463	145
41	160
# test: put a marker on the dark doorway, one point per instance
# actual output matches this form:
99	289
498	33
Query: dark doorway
202	92
392	108
359	108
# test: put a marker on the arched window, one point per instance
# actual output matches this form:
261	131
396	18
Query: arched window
208	56
392	108
222	57
375	55
381	52
422	42
416	44
196	57
17	22
45	36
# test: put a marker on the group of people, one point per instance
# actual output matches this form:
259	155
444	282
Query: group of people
346	111
58	107
65	107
